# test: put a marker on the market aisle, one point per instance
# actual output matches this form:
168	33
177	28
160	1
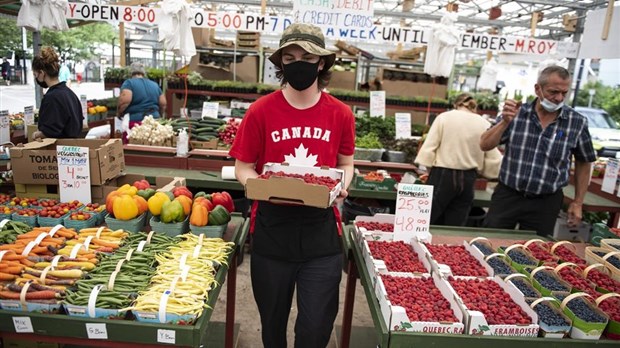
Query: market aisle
246	313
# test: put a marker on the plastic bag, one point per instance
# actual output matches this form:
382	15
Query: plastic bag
53	15
29	15
182	143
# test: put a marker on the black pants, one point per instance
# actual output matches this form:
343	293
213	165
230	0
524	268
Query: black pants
510	207
317	282
453	194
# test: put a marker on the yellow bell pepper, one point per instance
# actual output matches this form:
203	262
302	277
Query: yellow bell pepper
125	208
128	190
156	202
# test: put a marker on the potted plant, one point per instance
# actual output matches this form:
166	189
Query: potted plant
368	147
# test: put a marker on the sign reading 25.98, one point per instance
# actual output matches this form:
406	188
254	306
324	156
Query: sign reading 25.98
413	211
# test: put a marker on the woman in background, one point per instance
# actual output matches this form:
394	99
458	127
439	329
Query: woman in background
452	155
60	114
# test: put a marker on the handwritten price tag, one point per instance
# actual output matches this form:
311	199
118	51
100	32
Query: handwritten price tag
166	336
5	127
97	331
413	212
73	173
22	324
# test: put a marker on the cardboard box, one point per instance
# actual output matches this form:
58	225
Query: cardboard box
343	79
53	192
292	190
36	162
387	184
209	145
396	316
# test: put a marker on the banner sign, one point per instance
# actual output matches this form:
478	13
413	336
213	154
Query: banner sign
339	19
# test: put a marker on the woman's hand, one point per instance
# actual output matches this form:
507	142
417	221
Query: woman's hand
38	135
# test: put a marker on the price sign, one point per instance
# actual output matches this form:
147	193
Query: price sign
210	109
97	331
403	125
377	103
5	127
29	115
22	324
73	173
84	103
166	336
611	175
413	212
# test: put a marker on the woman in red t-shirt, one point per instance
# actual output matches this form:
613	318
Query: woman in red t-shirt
296	247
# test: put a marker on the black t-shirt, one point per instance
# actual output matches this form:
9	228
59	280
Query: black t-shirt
60	115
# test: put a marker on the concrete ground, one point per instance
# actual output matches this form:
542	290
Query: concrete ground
246	314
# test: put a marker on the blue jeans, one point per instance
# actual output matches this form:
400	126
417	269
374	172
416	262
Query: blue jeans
317	281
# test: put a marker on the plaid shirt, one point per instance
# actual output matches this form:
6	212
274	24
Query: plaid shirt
536	160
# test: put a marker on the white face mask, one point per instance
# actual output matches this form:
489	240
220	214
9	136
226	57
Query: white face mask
550	106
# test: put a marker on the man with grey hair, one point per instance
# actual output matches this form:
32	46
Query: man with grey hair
540	139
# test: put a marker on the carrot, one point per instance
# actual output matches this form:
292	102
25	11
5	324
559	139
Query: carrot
8	263
13	257
69	234
7	276
27	262
34	295
104	243
14	247
13	270
32	234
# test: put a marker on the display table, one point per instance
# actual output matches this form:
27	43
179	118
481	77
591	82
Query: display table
395	339
60	328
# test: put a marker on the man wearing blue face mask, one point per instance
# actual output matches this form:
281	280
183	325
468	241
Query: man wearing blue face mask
541	139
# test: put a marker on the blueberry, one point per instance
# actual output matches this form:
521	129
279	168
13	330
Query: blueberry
550	282
483	247
500	266
548	316
614	260
525	287
521	258
584	311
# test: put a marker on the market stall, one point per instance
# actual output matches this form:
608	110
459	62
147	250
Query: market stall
62	328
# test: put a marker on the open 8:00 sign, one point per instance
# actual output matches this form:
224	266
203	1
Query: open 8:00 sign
413	211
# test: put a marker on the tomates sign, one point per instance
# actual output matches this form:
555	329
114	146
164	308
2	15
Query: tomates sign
413	212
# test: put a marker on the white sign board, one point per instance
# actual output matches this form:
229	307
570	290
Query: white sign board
73	173
592	45
377	104
166	336
339	13
28	115
84	103
5	127
403	125
611	175
96	331
346	20
22	325
210	109
413	212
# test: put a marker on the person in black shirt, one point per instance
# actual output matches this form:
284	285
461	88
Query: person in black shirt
60	114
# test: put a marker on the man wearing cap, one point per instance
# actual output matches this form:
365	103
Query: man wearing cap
296	247
140	96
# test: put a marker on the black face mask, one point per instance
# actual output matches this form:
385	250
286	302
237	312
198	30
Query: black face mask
300	75
41	84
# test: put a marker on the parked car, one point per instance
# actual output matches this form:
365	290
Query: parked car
604	131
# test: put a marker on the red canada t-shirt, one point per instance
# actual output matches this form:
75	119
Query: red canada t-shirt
274	131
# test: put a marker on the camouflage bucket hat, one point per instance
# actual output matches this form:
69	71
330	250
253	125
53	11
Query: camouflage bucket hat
310	38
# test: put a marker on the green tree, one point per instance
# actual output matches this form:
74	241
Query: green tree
602	94
612	105
76	43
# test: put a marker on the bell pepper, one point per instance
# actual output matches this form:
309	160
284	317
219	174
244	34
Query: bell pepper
182	190
109	201
125	208
205	202
170	195
146	193
200	215
156	202
200	194
186	202
128	190
218	216
142	204
172	212
224	200
141	184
